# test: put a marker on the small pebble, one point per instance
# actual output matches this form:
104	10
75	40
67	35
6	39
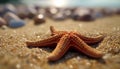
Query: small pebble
118	11
18	66
31	12
9	16
71	66
82	15
2	22
22	11
13	20
9	8
16	23
39	19
22	15
3	27
59	16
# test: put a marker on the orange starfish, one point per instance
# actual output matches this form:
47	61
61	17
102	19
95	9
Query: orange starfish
65	40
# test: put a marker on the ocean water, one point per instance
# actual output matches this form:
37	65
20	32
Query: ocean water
74	3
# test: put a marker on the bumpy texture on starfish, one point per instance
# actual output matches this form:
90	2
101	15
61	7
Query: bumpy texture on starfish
65	40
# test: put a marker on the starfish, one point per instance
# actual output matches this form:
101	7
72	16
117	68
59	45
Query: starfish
65	40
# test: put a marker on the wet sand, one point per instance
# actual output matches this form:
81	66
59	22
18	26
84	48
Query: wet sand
14	54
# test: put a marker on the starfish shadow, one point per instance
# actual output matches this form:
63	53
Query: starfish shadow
69	55
74	54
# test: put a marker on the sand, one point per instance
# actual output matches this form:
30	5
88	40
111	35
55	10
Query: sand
14	54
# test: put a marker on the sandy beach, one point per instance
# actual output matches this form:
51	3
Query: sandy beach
14	54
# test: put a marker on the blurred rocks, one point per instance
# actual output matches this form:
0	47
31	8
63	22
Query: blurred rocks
59	16
82	14
13	15
13	20
31	12
118	11
7	8
16	23
50	11
10	8
22	11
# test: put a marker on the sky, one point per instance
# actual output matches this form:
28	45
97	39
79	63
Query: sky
61	3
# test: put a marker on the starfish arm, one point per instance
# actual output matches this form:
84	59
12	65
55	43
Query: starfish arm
90	40
54	32
52	29
60	49
45	42
83	47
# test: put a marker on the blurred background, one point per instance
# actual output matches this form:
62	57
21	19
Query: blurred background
67	3
39	10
